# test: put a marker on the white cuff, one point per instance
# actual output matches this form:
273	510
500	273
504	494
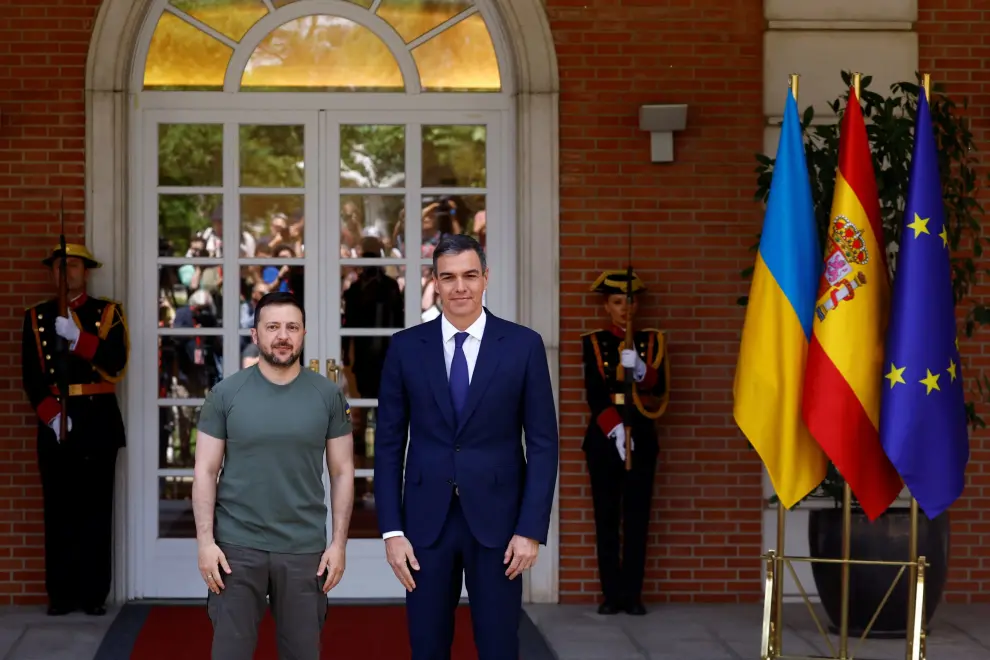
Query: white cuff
387	535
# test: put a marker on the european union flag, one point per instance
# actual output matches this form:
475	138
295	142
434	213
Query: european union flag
923	413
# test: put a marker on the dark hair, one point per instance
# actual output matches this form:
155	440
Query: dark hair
452	244
277	298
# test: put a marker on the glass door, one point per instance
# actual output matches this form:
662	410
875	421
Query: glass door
392	188
344	210
235	199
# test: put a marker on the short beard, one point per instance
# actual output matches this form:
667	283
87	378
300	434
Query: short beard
271	358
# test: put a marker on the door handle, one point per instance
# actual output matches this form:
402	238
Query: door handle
314	365
333	371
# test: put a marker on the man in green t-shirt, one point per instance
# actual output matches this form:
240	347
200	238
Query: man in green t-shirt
258	494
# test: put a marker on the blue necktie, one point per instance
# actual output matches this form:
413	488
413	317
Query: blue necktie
459	380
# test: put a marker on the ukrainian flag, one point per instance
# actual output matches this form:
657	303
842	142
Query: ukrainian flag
770	372
923	410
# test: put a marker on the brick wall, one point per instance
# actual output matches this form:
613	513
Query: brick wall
43	48
954	44
693	221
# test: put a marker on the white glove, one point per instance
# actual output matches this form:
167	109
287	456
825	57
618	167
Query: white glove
56	423
66	328
631	360
618	434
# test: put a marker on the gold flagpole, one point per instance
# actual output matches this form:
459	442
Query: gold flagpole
847	514
926	84
778	583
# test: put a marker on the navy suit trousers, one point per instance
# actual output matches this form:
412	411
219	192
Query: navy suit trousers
496	601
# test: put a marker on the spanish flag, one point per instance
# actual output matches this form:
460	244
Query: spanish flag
770	371
845	360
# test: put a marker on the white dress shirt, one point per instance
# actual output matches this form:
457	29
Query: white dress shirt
472	344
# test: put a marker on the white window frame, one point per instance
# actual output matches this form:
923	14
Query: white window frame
519	28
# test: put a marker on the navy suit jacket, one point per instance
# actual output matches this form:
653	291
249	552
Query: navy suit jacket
502	492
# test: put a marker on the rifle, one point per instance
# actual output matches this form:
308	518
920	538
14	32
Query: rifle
629	373
63	310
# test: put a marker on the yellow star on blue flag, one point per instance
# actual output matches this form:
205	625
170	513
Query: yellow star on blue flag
923	412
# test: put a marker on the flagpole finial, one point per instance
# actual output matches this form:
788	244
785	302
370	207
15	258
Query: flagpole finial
857	79
926	83
792	82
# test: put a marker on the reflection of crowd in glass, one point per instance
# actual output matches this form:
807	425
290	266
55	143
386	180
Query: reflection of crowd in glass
191	296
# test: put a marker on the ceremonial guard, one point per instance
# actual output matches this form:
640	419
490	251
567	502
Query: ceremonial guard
620	444
74	351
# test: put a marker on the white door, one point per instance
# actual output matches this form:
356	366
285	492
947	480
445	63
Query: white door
321	203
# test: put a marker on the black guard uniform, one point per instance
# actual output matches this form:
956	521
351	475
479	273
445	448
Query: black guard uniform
621	496
77	474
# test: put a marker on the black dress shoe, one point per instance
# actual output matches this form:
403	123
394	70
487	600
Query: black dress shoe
59	610
636	609
98	610
608	608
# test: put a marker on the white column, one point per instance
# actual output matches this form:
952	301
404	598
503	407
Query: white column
818	39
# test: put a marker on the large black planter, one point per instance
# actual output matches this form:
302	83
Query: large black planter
883	540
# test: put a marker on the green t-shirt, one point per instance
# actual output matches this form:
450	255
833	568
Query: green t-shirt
270	495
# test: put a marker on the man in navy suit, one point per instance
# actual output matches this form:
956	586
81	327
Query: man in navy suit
463	389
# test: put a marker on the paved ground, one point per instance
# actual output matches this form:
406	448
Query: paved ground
681	632
732	632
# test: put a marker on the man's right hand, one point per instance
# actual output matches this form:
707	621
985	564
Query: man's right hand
399	553
618	434
211	558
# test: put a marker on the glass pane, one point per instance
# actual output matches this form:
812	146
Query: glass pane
189	366
190	155
188	296
371	225
452	214
364	520
371	297
322	54
175	514
274	225
182	57
177	436
363	421
232	18
372	156
256	281
413	18
272	156
454	156
189	225
460	59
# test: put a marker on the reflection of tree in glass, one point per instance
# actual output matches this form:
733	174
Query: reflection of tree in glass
232	18
322	52
372	156
192	155
272	156
454	156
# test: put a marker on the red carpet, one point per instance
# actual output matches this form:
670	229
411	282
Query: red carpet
351	633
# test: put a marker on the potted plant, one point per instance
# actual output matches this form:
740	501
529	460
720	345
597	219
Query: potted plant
890	127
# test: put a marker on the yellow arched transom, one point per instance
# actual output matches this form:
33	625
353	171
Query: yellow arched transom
194	41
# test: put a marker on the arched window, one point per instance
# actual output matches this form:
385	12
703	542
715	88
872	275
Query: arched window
320	147
443	46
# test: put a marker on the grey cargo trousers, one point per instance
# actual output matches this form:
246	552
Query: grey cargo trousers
298	604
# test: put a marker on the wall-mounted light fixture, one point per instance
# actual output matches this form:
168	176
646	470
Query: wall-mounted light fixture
660	121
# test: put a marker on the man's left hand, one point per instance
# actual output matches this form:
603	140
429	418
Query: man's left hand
332	562
522	554
67	329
